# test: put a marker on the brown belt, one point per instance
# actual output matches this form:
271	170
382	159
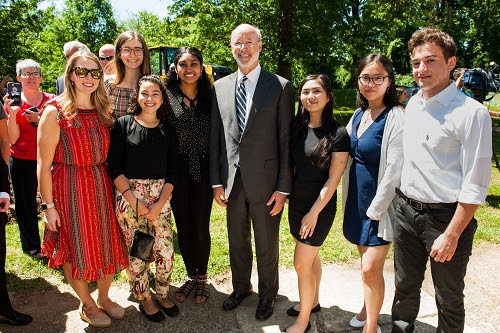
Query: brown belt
418	205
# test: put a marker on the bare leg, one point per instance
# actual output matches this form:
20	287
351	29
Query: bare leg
82	290
305	259
103	286
372	270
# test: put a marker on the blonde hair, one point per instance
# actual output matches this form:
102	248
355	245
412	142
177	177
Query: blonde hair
117	63
98	98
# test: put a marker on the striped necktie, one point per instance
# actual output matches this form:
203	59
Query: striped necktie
241	104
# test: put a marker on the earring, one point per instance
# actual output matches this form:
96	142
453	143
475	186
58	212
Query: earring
177	76
72	83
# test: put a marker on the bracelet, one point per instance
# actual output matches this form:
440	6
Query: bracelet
129	189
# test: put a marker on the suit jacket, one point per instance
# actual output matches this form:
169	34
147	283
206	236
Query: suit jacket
263	152
60	85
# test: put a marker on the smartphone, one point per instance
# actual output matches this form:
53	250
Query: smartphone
14	91
32	109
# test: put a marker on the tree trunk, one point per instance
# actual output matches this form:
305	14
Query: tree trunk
285	39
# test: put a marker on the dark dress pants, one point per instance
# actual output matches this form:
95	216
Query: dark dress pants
414	234
266	233
192	205
5	306
24	186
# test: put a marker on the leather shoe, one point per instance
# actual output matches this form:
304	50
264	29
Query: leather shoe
15	318
172	311
294	313
234	300
156	317
264	309
307	328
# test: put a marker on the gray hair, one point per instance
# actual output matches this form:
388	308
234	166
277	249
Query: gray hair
74	44
25	64
244	26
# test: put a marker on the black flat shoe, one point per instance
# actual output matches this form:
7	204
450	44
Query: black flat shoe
294	313
15	318
264	309
234	300
156	317
172	311
307	328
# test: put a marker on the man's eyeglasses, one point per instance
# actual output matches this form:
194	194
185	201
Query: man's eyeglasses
34	75
128	51
377	80
82	72
108	58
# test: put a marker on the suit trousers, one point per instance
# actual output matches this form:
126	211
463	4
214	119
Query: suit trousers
240	211
414	235
5	305
24	186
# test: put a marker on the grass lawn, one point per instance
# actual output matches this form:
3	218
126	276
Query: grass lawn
27	273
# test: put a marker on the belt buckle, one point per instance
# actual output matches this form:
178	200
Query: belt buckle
416	204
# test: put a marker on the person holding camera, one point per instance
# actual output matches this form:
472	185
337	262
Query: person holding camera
22	127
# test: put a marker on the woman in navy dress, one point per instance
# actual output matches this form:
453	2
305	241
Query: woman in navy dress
320	147
371	177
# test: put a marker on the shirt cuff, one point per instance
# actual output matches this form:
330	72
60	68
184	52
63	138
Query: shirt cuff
4	195
218	185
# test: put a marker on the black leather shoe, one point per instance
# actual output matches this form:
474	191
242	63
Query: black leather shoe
234	300
172	311
264	309
15	318
307	328
294	313
156	317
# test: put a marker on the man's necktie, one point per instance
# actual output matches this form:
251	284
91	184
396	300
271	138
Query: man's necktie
241	104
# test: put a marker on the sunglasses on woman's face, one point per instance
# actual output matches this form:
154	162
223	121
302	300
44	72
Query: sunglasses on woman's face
82	72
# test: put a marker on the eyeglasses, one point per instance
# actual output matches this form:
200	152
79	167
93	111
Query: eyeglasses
128	51
34	75
247	44
377	80
106	58
82	72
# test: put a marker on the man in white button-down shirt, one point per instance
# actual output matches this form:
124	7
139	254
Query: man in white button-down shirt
445	177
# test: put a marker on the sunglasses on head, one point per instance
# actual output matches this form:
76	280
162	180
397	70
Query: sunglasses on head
82	72
106	58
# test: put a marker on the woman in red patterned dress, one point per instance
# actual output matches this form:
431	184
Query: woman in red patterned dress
81	231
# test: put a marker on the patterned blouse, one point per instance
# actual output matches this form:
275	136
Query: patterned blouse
119	98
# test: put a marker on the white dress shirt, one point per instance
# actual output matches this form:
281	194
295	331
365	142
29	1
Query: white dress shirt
447	148
250	85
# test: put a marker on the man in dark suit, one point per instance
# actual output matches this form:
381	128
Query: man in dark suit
7	313
250	169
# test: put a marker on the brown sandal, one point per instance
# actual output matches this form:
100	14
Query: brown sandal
183	291
201	290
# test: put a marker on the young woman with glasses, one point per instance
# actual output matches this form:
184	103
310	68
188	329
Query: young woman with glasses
81	229
131	61
22	128
371	177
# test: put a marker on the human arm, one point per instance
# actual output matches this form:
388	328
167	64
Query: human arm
4	140
12	125
4	187
337	166
215	152
47	139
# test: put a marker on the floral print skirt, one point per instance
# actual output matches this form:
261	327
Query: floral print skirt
148	190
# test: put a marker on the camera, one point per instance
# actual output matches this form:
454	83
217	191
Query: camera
481	82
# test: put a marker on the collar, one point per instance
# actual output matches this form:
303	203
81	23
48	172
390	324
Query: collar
444	97
253	76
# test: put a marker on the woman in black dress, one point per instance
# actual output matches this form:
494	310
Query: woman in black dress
320	149
189	90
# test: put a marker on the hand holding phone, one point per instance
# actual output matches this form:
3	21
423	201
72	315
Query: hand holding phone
14	90
32	115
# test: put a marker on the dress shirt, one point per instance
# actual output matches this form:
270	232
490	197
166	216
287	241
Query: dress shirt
250	85
447	148
4	195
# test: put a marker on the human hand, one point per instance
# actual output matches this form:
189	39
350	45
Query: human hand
7	101
279	201
32	116
308	225
142	208
52	219
443	248
4	204
220	196
154	211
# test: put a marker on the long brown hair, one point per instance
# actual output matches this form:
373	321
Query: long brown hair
117	63
98	98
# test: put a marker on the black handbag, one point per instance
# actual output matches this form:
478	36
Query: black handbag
143	242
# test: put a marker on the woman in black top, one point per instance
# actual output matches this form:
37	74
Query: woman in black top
141	162
189	91
320	149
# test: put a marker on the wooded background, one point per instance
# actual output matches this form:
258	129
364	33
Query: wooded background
299	36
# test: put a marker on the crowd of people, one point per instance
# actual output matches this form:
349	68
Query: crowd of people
119	150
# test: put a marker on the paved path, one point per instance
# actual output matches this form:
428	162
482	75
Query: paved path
56	310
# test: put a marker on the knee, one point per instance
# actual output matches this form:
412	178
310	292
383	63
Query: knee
371	273
302	266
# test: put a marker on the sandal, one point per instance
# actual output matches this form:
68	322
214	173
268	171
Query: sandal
183	291
201	290
103	321
116	312
37	254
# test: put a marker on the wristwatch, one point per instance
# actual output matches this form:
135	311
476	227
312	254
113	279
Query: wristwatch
46	206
